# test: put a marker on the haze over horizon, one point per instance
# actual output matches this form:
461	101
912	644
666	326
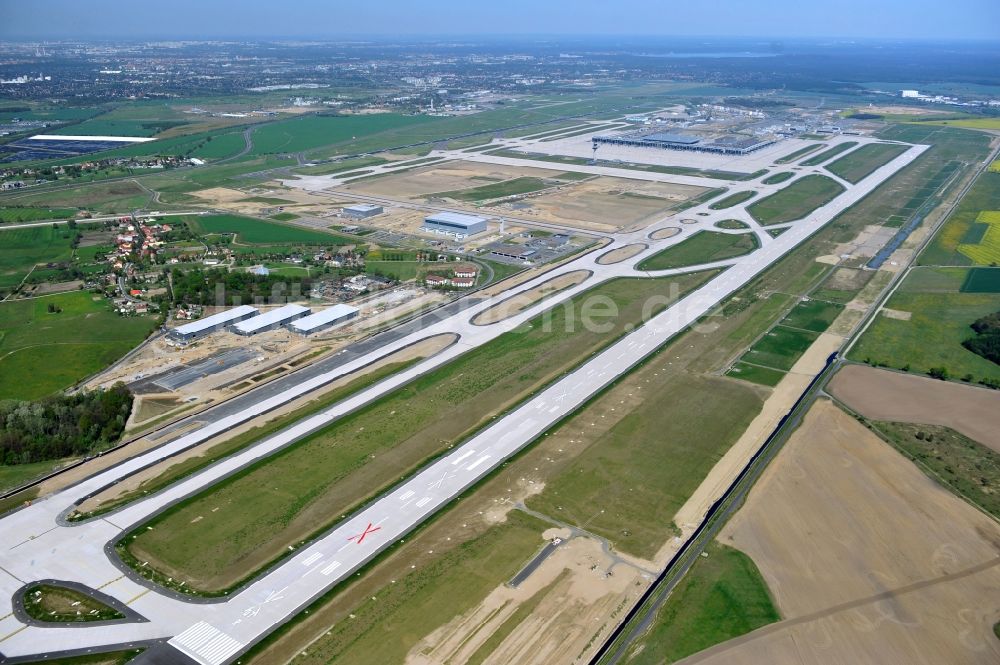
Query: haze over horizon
314	19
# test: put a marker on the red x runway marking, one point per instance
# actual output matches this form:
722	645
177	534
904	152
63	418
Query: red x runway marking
361	536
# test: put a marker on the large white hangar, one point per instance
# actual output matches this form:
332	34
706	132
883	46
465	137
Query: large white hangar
271	320
455	224
196	329
323	320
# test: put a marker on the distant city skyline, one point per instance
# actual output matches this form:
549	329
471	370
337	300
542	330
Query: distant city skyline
316	19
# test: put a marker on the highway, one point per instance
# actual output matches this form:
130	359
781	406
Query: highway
39	544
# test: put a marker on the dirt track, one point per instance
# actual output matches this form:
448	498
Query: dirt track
868	560
879	394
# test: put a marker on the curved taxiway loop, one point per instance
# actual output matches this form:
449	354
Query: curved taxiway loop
36	545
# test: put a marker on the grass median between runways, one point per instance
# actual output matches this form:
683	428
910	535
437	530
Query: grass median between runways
217	538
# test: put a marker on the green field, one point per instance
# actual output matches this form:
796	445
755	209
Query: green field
795	201
421	600
400	270
829	154
34	214
306	487
259	232
315	131
732	200
939	322
284	217
16	475
22	249
778	177
971	236
121	196
45	602
496	190
702	247
732	224
982	280
764	376
682	431
801	152
780	347
966	467
42	352
814	315
984	237
861	163
723	596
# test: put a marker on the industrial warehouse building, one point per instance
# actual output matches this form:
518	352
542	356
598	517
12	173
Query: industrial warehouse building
329	317
196	329
455	224
726	145
361	210
271	320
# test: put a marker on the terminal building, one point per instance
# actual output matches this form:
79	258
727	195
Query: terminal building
361	210
270	320
196	329
323	320
725	145
455	224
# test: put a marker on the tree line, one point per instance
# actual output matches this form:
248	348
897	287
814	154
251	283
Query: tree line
62	425
222	287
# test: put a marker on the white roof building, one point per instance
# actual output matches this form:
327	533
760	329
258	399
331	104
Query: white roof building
216	321
270	320
326	318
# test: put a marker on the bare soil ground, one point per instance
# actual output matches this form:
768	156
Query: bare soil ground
571	593
621	254
879	394
424	348
522	301
606	203
450	176
869	560
662	234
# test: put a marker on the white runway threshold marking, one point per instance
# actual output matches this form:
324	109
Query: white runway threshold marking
206	644
332	567
312	558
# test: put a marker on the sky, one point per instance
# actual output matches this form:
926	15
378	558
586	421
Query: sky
268	19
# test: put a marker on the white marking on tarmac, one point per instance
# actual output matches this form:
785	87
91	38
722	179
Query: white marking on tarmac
477	463
461	457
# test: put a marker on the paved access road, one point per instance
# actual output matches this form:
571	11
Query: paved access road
37	544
